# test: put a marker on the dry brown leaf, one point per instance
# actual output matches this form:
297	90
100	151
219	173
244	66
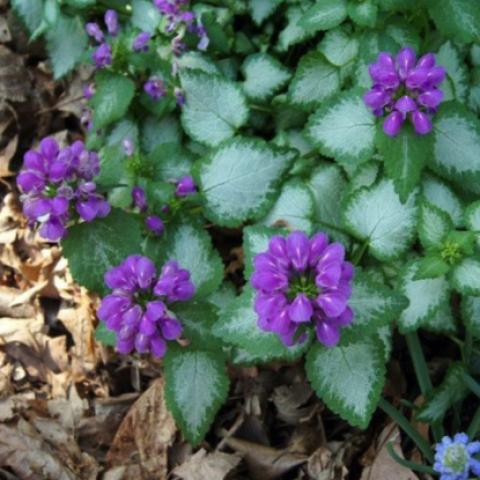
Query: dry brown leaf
211	466
144	435
15	81
384	466
5	35
265	463
68	411
290	401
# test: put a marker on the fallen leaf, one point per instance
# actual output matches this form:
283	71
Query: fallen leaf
211	466
15	83
144	436
290	401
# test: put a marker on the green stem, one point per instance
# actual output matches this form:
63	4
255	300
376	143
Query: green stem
421	372
474	426
405	425
260	108
417	467
360	252
468	346
472	384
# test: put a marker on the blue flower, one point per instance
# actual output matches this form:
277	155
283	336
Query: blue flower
454	458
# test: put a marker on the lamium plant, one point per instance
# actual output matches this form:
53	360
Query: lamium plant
336	142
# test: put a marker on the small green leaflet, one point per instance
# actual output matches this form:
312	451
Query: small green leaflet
472	218
30	12
457	18
440	195
215	107
105	336
349	378
404	157
196	385
364	13
425	297
324	15
314	81
377	216
431	266
471	314
264	76
159	131
433	226
339	47
450	391
240	180
364	176
456	84
293	33
443	321
145	16
66	43
262	9
293	208
343	128
197	61
456	137
126	128
113	95
466	277
373	304
222	298
170	160
239	327
93	248
191	247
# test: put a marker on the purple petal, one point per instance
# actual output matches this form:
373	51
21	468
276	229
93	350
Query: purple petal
132	316
393	124
87	209
329	274
332	303
155	310
147	327
144	272
112	305
431	98
436	75
59	206
53	230
125	346
185	186
417	77
335	252
405	61
405	105
171	328
421	122
158	346
277	247
29	181
34	161
142	343
139	198
344	319
154	224
269	281
111	21
49	148
376	98
426	61
327	334
300	310
298	249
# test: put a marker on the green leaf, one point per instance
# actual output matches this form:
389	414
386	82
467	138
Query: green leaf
328	186
80	3
450	391
425	297
324	15
471	314
343	128
160	131
443	321
397	4
197	61
240	180
314	81
215	107
364	13
66	44
196	385
349	378
339	47
459	19
432	266
126	128
93	248
456	85
472	218
438	193
404	156
293	209
197	319
293	33
364	176
145	16
377	216
170	161
113	95
192	248
373	304
239	327
264	76
466	277
30	12
260	10
433	226
105	336
222	298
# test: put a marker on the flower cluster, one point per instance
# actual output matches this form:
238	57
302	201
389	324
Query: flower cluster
53	180
137	308
404	87
454	458
181	20
302	281
153	222
102	56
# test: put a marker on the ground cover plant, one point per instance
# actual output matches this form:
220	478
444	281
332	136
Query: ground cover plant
334	143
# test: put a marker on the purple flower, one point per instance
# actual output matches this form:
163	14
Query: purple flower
140	43
111	21
102	56
94	31
185	186
302	281
139	198
179	96
137	309
128	147
405	88
56	182
155	224
155	88
89	91
454	458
